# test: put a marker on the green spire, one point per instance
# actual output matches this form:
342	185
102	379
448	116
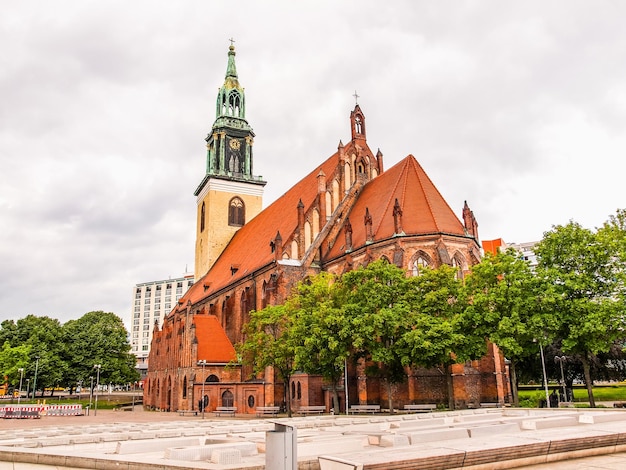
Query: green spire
231	70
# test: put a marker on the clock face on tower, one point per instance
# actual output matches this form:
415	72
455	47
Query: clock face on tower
234	144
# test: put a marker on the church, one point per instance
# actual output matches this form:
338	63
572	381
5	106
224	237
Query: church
346	213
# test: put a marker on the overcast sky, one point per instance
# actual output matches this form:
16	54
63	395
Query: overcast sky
517	107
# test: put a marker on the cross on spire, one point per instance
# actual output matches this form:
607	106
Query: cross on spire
356	97
232	42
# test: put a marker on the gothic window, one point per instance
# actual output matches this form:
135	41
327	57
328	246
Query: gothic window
234	104
236	212
358	125
212	379
299	391
360	168
293	390
417	266
202	217
228	398
457	264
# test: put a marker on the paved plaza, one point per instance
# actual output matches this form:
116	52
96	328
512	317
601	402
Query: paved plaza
478	439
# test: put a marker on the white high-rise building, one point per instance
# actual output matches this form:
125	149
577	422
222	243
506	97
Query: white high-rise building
151	302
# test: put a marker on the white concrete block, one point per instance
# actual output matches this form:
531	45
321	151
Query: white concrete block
546	423
393	440
433	435
226	456
602	417
492	429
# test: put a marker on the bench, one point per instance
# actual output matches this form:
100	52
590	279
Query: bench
619	404
421	408
225	410
365	409
267	410
312	409
188	412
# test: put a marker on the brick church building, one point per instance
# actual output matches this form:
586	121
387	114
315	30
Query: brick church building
346	213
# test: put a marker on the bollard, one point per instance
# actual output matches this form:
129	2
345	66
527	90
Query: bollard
281	448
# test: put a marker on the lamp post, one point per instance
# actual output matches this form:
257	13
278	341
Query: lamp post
560	360
19	392
202	363
97	367
90	390
35	381
27	387
545	376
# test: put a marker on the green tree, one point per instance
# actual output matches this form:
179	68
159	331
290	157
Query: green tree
268	344
322	337
378	314
580	264
436	336
508	306
12	358
42	334
97	338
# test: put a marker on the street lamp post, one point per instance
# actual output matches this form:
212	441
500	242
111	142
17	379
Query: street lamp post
202	363
27	387
545	376
19	392
97	367
35	381
90	390
560	360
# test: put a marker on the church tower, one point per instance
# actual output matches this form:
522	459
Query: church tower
229	194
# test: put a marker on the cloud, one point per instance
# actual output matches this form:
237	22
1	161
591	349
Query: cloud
518	108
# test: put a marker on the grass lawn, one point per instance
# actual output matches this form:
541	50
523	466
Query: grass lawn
617	392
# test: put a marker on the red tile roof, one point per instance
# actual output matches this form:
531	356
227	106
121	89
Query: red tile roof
213	344
424	210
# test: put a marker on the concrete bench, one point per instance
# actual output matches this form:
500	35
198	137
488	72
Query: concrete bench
421	408
490	405
267	410
312	409
225	410
365	409
188	412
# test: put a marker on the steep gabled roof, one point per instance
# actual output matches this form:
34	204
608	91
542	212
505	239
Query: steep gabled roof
424	210
213	344
249	248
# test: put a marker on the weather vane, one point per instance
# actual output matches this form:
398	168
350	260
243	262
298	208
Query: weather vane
356	97
232	42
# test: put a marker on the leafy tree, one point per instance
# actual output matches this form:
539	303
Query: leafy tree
13	358
268	344
43	335
436	337
378	312
322	337
580	264
507	306
97	338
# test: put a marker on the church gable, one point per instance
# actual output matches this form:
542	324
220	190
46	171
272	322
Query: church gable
401	201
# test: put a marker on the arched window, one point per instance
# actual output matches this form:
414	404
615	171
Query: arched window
293	390
417	266
458	265
202	217
228	399
358	124
236	212
212	379
185	387
299	391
